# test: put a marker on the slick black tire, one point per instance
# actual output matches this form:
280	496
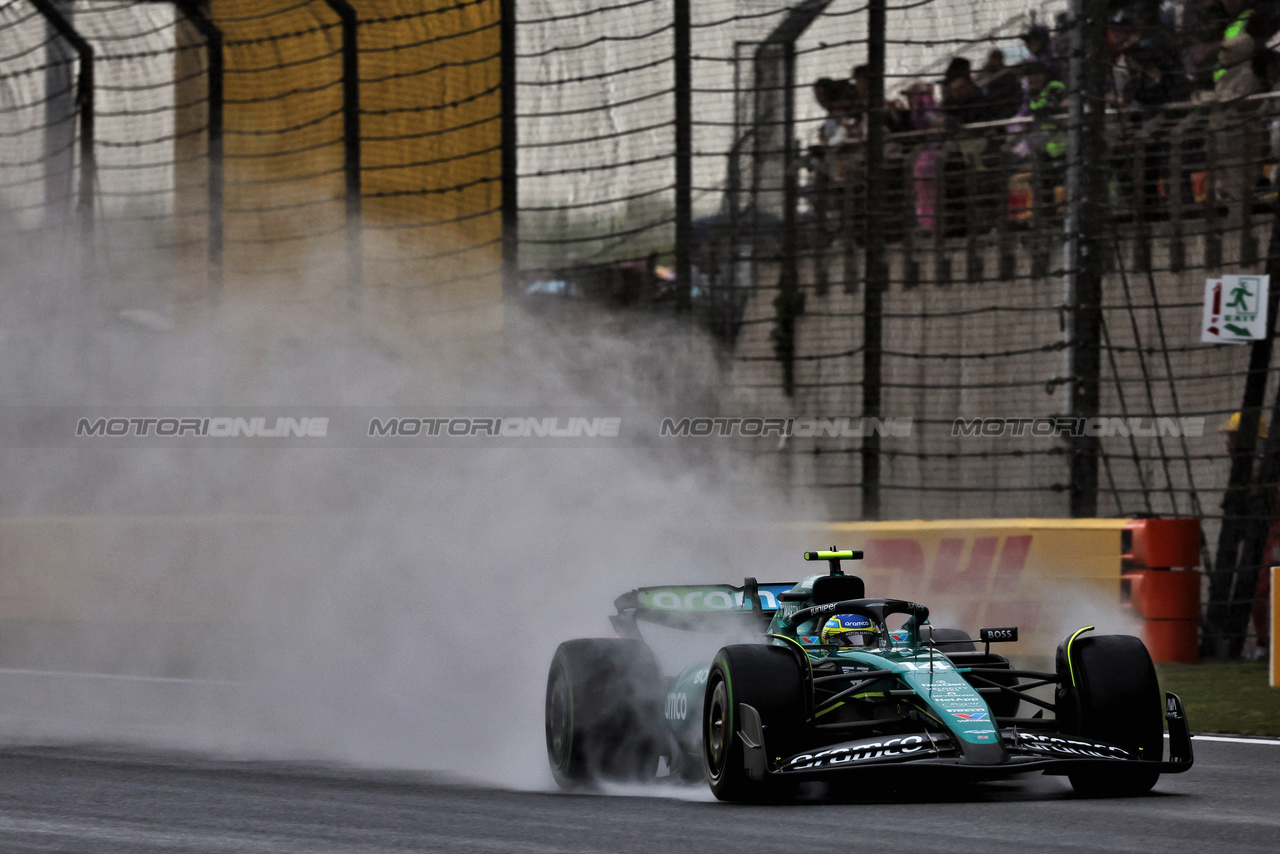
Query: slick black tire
769	679
603	713
1108	691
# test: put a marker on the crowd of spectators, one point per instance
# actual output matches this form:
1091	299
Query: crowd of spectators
1162	54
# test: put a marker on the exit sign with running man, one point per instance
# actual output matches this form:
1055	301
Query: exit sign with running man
1235	309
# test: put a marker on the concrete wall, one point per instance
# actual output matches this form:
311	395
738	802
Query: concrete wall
993	348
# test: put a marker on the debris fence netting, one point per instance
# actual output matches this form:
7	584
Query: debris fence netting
1049	201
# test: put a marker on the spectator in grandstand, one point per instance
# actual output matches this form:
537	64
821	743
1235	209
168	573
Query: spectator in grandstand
1203	23
1124	32
922	107
1234	77
896	117
962	101
1121	35
1048	99
1156	85
1157	82
1039	45
1269	64
968	159
861	80
1061	48
1047	139
1000	85
924	116
836	98
830	159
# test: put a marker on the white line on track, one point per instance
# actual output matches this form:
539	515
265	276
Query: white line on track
120	677
1235	739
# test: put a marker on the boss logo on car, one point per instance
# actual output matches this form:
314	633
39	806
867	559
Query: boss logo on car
858	752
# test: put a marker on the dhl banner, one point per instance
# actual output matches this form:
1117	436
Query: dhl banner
1046	576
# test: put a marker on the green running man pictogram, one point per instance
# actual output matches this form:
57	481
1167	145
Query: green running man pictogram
1238	294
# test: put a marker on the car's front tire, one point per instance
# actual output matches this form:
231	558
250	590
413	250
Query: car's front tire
769	679
1109	691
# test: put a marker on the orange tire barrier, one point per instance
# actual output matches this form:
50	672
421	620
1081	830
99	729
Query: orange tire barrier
1167	599
1169	603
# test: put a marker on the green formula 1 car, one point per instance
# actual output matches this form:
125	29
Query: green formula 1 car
825	690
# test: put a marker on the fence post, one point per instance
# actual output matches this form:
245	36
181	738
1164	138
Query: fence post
684	154
60	118
351	145
876	269
1248	504
1177	180
217	173
790	192
1212	219
1083	257
974	268
941	258
1142	208
510	159
1006	265
84	105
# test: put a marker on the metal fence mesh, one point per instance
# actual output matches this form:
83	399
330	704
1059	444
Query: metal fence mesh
245	187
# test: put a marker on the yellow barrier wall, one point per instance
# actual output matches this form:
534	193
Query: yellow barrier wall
1045	576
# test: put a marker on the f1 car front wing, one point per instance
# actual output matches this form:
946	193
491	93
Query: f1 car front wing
1023	752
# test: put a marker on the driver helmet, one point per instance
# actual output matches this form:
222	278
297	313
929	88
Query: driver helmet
850	630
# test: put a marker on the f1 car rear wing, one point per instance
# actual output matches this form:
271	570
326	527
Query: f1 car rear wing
694	605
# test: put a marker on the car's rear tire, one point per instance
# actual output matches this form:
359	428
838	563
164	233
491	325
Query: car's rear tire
1109	691
603	713
769	679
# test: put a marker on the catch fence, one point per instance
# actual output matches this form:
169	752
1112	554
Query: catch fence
412	166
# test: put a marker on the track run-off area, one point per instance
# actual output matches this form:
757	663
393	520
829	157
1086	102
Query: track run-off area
82	799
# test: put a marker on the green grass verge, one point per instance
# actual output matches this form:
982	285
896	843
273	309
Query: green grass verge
1225	696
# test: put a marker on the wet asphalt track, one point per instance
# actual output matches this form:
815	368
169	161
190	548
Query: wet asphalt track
97	801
